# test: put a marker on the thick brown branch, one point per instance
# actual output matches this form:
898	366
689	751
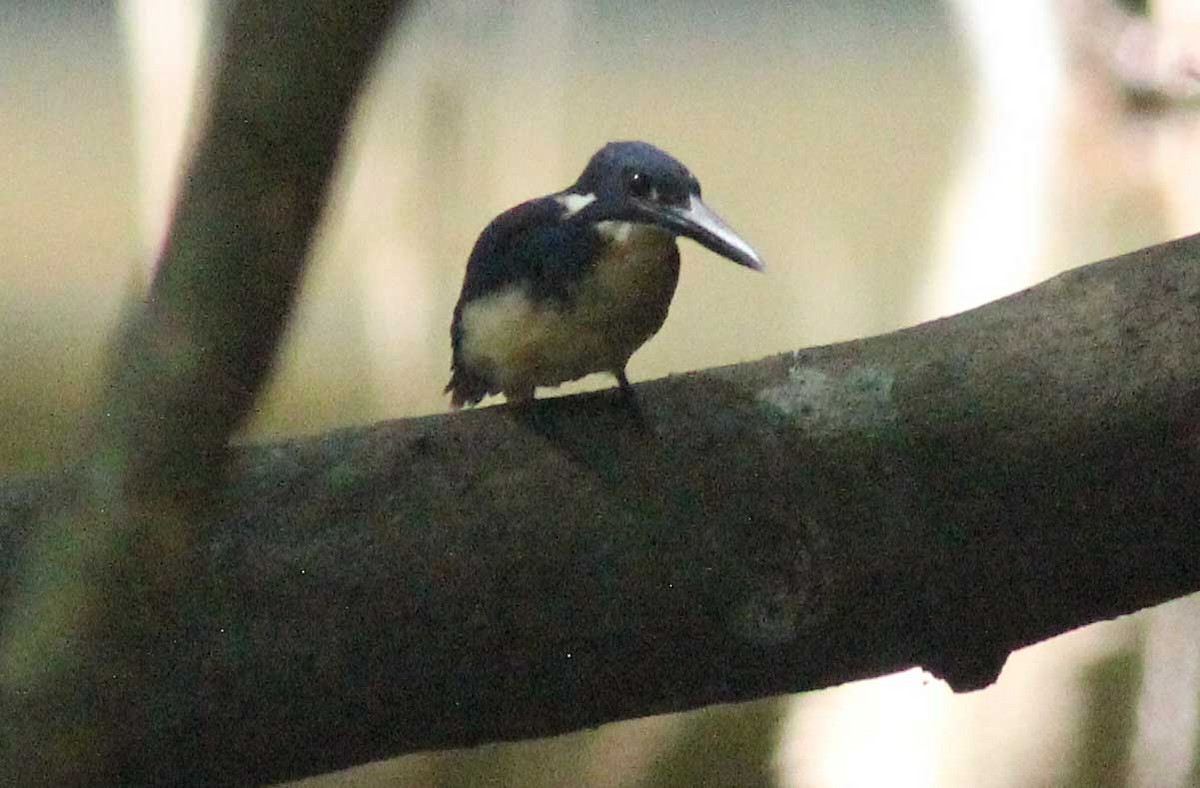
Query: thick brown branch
938	496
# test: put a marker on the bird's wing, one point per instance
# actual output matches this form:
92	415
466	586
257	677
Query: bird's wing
527	246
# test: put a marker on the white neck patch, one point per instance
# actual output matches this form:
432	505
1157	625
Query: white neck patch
574	203
624	232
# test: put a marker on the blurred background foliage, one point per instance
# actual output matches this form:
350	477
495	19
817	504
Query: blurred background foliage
893	161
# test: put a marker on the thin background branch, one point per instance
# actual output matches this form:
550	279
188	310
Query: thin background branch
103	588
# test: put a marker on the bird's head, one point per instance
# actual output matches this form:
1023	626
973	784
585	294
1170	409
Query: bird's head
637	182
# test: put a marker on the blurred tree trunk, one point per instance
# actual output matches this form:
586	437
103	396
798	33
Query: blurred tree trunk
102	592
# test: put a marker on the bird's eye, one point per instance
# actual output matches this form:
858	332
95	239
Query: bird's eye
638	183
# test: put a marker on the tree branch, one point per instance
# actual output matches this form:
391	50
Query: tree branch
104	587
187	367
937	496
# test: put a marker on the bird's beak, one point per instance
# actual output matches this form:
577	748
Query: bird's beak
694	220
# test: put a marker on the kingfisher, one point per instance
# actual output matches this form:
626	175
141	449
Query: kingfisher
573	283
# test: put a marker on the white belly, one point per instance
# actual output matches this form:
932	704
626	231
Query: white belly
518	344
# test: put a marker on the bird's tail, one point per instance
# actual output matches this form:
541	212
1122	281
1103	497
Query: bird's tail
465	388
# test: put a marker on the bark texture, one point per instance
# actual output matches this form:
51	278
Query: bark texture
938	496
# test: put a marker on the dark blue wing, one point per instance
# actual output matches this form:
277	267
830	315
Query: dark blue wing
528	246
532	246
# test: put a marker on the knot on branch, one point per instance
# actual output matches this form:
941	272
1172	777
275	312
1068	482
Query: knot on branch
790	598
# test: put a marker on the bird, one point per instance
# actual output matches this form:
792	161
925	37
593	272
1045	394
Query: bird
572	283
